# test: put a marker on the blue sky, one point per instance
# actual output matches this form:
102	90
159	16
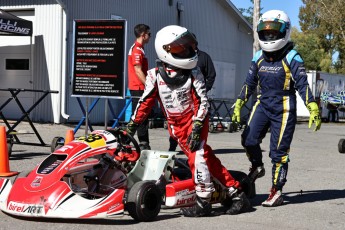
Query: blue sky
291	7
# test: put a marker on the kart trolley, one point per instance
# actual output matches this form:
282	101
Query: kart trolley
221	110
12	135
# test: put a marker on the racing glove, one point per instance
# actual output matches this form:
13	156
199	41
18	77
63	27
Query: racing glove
193	140
131	127
236	116
314	115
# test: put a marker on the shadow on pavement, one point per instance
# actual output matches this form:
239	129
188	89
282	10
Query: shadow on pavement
225	151
312	196
118	221
26	155
304	197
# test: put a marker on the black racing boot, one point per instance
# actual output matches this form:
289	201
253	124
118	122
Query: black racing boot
256	172
240	204
201	208
144	146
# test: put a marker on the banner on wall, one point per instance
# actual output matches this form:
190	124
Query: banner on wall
13	25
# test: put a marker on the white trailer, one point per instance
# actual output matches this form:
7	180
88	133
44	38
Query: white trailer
322	82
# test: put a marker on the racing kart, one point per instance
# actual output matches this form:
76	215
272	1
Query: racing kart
104	175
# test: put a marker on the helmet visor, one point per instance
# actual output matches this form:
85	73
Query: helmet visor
182	46
272	25
271	30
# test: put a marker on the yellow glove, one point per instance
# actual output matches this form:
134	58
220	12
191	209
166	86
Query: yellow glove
236	116
314	115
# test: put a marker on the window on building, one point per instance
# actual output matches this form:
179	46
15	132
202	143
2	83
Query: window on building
17	64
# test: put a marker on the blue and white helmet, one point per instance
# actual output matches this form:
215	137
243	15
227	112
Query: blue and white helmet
273	30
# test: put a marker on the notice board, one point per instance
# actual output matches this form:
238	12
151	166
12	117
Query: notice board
99	58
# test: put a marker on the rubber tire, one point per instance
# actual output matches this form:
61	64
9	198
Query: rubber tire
9	149
211	128
234	126
247	186
151	124
341	146
165	125
56	143
144	201
231	128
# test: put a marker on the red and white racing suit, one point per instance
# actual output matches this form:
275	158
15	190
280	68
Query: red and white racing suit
182	105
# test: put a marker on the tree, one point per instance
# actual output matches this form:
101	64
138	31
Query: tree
326	19
247	13
309	46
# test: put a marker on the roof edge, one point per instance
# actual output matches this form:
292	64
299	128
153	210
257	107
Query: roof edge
239	14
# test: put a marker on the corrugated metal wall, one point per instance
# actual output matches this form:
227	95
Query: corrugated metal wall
48	52
220	31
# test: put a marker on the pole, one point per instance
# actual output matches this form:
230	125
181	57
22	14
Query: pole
256	16
87	116
256	45
106	114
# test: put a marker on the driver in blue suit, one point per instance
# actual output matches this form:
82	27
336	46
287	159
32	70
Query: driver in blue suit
279	71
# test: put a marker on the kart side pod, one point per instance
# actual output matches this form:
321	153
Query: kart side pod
181	193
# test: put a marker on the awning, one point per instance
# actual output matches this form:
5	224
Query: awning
13	25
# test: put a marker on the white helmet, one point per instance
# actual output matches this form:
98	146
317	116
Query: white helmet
273	30
174	46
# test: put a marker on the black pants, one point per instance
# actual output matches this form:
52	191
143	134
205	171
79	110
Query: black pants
143	129
173	144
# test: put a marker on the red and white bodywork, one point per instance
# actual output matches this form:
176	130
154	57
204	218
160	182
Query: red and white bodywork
97	177
55	187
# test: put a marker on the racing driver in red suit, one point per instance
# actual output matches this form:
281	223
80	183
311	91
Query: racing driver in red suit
179	86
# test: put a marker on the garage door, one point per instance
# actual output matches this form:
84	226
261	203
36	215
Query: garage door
16	68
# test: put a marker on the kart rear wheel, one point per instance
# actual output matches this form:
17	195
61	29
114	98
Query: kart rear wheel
341	146
248	187
144	201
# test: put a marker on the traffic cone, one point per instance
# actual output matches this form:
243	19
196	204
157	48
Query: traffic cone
4	161
69	136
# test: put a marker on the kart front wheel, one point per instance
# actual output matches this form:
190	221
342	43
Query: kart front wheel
341	146
9	148
56	143
144	201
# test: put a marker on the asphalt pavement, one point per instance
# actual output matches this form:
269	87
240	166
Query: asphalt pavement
314	195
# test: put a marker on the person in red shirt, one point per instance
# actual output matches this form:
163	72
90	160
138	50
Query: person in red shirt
137	69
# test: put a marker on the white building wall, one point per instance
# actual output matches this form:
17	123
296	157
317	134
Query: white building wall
48	56
47	53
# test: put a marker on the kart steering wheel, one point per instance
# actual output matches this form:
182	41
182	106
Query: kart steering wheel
128	148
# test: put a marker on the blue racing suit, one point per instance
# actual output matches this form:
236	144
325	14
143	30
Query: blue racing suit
275	108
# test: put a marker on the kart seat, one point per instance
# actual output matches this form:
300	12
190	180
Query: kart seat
151	165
